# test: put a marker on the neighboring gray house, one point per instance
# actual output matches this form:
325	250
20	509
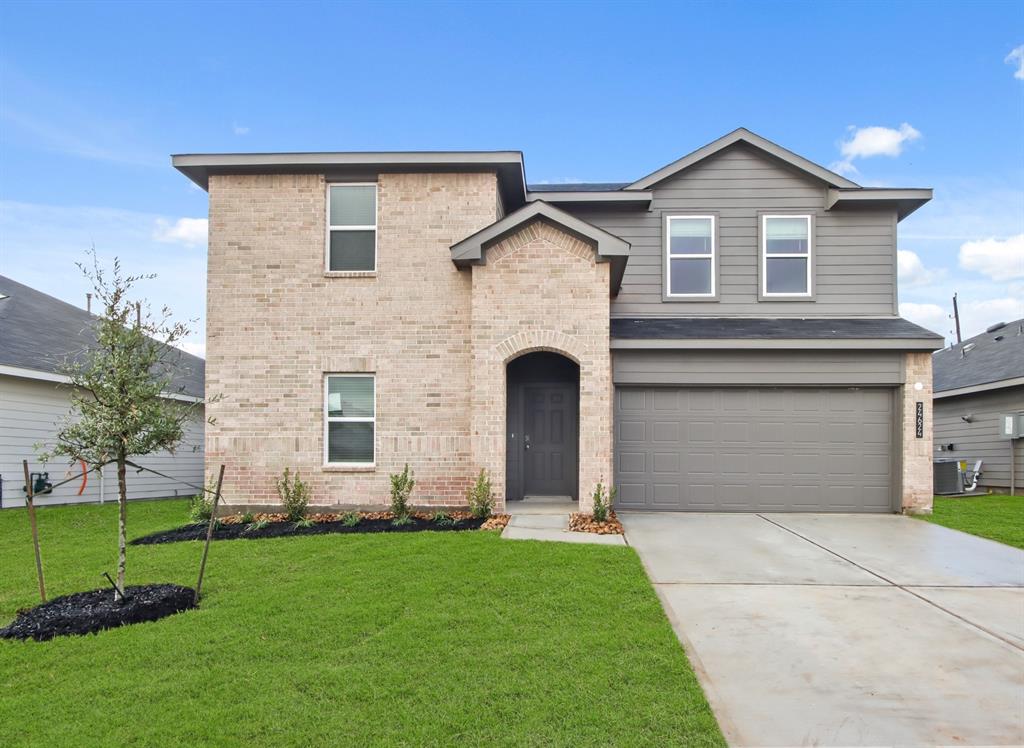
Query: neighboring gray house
720	335
975	382
38	333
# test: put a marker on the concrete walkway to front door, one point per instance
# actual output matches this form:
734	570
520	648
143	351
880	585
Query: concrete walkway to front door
547	518
843	629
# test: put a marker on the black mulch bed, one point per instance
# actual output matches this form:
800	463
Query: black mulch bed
90	612
240	531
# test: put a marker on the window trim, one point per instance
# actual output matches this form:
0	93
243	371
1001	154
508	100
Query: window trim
667	294
329	419
762	287
331	228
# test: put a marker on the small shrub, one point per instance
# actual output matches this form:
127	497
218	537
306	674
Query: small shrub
401	488
351	519
401	520
602	500
247	518
481	498
294	495
442	518
305	522
200	507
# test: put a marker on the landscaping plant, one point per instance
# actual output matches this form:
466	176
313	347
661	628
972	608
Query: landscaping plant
121	388
481	498
442	518
294	495
602	501
248	518
401	488
350	519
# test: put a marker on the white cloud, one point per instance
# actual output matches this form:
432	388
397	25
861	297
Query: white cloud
931	316
975	316
240	129
865	142
195	347
999	259
1016	57
911	270
188	231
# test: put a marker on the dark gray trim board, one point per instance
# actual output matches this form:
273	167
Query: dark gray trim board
906	201
639	198
775	368
777	344
609	248
990	386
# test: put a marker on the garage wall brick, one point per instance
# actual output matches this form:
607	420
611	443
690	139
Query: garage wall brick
916	481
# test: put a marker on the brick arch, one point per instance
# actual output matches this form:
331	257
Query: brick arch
531	341
544	232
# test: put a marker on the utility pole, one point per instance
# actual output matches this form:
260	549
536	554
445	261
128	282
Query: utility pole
956	318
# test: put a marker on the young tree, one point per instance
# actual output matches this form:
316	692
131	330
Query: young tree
120	404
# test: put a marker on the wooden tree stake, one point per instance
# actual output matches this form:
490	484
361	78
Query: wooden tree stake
35	531
209	533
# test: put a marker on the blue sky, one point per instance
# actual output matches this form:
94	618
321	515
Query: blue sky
94	97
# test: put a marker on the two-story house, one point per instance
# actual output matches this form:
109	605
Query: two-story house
720	335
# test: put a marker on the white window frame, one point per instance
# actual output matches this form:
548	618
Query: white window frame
712	256
803	256
329	419
327	247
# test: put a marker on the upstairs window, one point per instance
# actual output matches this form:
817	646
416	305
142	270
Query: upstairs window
350	419
785	256
690	257
352	227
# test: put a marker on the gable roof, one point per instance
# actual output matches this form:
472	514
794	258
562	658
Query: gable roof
609	248
988	361
743	135
38	333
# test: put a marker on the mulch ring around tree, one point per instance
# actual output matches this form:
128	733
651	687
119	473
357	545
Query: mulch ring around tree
580	522
90	612
279	526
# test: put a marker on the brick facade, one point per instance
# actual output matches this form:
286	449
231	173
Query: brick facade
542	289
916	478
277	323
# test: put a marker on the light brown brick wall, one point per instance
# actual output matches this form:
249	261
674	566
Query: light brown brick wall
542	289
276	323
917	453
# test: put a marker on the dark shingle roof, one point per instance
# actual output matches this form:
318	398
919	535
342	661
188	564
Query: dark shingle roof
578	187
990	357
40	332
667	328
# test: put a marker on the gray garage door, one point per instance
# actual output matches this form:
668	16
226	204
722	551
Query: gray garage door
754	449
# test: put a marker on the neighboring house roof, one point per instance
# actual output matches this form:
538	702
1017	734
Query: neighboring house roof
725	332
992	360
38	333
609	248
512	173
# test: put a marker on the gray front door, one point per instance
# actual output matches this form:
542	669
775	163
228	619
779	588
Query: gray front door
754	449
549	440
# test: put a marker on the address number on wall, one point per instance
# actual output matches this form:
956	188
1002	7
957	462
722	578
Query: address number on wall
919	420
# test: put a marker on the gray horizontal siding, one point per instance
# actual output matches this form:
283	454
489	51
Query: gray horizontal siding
30	412
855	251
978	439
808	368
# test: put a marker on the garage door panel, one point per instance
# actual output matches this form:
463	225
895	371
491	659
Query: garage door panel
754	449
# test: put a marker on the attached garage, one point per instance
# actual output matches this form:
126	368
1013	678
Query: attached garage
772	449
758	431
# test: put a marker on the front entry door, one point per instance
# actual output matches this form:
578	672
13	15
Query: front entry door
549	440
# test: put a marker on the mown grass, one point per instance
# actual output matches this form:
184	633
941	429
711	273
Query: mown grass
996	517
403	639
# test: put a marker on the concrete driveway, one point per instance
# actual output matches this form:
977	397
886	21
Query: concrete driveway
809	629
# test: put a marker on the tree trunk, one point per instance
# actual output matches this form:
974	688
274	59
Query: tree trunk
122	501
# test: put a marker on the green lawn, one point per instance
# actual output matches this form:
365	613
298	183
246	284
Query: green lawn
997	517
402	639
